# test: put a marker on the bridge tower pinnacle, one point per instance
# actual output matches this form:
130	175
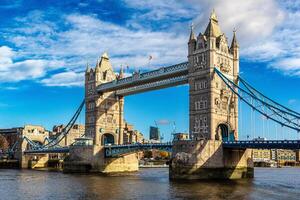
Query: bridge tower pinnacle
213	107
104	113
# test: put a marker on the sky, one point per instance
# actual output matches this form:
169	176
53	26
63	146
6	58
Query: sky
46	45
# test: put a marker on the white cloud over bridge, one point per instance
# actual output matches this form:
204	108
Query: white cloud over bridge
54	51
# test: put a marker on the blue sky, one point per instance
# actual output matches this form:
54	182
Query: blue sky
45	45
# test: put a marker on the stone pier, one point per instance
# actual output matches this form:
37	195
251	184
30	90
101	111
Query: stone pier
206	159
85	159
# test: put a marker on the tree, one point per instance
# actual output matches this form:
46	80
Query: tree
4	145
164	154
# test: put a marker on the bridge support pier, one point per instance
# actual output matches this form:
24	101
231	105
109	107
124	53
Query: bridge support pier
84	159
34	161
206	159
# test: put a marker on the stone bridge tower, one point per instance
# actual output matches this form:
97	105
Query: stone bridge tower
213	112
213	107
104	113
104	123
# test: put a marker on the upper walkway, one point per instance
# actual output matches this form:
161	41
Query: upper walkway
141	82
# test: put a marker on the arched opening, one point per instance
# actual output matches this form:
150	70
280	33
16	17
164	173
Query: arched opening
107	138
224	133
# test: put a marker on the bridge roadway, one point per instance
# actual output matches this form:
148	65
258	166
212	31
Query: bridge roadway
141	82
48	150
118	150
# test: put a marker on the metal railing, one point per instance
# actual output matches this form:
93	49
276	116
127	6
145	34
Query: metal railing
140	77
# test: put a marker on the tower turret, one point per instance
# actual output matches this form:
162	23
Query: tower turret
192	41
234	50
212	30
121	73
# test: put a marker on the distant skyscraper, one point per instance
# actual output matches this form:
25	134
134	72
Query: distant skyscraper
154	133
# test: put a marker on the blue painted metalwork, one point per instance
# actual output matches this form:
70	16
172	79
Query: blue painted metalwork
119	150
66	130
177	74
266	144
262	104
48	150
136	79
153	85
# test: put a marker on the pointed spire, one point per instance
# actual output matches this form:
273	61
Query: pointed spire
121	73
213	28
87	67
234	43
192	34
213	16
105	55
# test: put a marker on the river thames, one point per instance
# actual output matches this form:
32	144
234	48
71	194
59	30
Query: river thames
269	183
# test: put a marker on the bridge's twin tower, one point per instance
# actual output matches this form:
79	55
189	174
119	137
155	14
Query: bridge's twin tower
104	113
213	107
213	111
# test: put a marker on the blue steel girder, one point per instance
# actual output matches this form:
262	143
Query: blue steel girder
153	85
48	150
147	77
266	144
119	150
260	103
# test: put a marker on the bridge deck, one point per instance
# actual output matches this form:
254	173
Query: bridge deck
266	144
118	150
46	151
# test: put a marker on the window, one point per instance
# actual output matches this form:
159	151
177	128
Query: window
201	104
200	84
91	105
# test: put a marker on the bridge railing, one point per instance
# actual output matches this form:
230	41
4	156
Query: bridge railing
153	85
267	144
119	150
164	71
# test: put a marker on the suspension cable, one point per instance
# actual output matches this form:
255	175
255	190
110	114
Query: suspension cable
252	89
235	88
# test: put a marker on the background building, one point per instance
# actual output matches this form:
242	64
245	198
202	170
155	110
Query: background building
278	157
154	133
132	136
76	131
180	136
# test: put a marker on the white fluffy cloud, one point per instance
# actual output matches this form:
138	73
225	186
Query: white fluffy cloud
11	71
267	31
65	79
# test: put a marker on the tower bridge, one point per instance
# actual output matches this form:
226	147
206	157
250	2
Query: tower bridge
215	88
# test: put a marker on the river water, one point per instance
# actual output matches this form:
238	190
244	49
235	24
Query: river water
269	183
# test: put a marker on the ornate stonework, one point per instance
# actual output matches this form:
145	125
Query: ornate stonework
213	107
104	113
